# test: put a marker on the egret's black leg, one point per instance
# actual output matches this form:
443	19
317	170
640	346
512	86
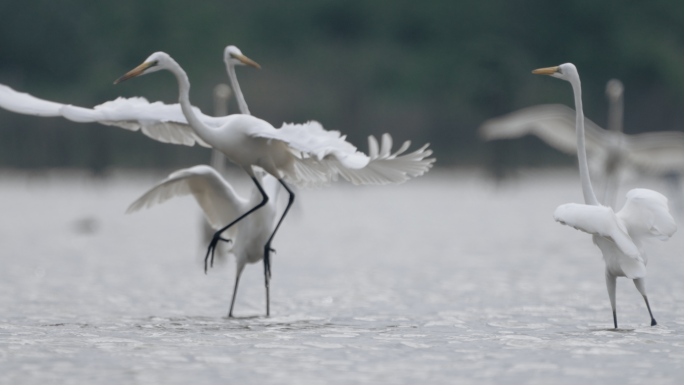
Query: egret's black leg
268	249
653	321
217	235
640	284
611	284
232	303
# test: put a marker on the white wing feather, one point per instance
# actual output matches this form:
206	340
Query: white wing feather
335	156
646	215
312	139
24	103
217	198
159	121
598	220
385	167
552	123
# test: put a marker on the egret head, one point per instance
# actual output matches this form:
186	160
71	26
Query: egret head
157	61
233	56
565	71
614	89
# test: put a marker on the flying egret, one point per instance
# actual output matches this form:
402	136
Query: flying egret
619	235
220	203
613	150
303	154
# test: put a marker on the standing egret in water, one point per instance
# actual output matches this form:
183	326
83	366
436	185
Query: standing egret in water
619	235
653	152
304	155
220	203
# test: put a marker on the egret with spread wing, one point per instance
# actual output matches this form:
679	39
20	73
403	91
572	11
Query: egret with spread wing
302	154
220	203
619	235
661	152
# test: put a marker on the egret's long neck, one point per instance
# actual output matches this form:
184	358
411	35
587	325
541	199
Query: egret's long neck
615	114
236	88
587	189
203	131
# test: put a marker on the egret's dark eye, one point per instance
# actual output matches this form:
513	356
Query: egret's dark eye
560	71
154	63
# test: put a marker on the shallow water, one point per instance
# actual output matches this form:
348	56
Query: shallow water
445	279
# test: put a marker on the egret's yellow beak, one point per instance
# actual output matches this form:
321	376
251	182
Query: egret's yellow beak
135	71
245	60
546	71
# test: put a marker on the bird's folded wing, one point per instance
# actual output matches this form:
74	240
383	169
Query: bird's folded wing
24	103
162	122
598	220
646	214
313	140
553	123
656	151
217	198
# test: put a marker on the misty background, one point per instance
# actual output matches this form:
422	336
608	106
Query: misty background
424	71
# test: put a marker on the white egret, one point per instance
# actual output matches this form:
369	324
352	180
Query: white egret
301	154
619	235
220	203
613	150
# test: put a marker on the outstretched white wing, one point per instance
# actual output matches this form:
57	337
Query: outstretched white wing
313	140
23	103
159	121
384	166
552	123
338	157
217	198
598	220
646	215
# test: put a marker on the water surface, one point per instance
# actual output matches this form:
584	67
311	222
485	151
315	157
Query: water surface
445	279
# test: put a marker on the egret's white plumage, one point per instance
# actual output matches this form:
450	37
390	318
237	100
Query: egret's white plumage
162	122
611	150
619	235
221	205
305	154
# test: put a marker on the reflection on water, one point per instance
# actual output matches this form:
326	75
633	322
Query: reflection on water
446	279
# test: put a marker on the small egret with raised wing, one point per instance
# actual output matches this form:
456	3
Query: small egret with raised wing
220	204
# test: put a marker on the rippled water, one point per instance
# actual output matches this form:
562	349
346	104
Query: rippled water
445	279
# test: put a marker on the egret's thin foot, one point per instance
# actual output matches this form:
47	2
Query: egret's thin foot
211	250
648	306
615	319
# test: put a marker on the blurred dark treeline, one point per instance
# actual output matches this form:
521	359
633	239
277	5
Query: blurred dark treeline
428	71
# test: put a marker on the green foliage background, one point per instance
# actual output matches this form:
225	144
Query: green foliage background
425	71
